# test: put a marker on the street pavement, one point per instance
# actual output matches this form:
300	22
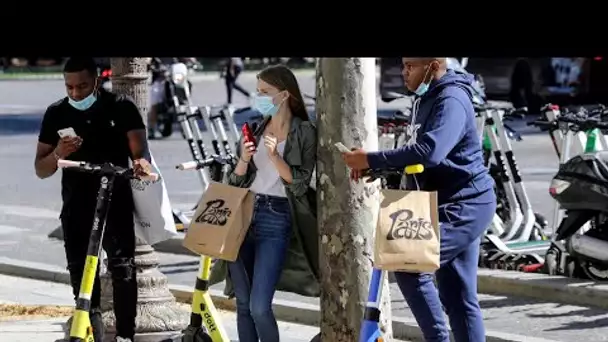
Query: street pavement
29	207
35	292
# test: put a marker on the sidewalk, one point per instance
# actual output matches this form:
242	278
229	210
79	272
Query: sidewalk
196	77
35	292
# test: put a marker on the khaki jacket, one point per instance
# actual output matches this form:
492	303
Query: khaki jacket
301	271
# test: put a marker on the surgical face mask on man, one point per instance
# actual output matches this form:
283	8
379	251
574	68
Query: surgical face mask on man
264	104
424	86
85	103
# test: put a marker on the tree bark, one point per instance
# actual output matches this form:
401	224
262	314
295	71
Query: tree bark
159	318
346	112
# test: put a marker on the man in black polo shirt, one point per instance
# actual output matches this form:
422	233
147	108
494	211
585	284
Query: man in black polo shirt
109	128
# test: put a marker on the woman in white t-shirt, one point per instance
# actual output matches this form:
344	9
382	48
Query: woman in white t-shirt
278	169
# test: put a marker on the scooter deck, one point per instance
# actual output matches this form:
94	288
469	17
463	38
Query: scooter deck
182	219
528	247
528	244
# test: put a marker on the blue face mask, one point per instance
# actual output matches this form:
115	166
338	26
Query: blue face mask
423	87
264	105
85	103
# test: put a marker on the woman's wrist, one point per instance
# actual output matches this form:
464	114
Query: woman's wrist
274	157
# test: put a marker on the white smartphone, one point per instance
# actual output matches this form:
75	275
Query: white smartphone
67	132
340	146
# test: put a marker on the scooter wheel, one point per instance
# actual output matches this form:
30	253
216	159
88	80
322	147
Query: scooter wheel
192	334
594	272
201	336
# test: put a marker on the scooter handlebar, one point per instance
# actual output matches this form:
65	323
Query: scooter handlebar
63	163
541	123
187	165
199	164
584	122
408	170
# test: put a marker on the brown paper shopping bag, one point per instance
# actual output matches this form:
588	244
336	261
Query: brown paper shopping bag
407	234
220	222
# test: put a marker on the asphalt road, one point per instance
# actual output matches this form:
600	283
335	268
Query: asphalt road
29	207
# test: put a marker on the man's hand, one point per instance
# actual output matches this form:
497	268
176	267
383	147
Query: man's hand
141	167
67	146
357	161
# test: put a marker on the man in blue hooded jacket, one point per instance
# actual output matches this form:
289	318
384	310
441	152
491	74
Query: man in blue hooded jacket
443	139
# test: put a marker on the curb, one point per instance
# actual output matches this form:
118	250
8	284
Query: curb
302	313
497	282
172	245
543	287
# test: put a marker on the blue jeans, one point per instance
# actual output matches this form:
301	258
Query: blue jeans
258	268
462	225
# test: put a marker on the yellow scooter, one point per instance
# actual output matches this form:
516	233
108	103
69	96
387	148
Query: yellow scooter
205	323
204	312
81	329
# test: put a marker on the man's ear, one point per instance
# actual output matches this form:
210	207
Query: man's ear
435	66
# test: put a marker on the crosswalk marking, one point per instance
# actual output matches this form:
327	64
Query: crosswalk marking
27	211
9	230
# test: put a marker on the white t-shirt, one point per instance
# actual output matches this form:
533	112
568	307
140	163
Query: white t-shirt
267	179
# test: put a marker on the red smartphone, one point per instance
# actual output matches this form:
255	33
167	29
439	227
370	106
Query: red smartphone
248	134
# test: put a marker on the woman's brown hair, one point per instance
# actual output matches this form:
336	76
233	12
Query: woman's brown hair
280	77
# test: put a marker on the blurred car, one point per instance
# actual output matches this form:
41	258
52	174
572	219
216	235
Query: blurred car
563	81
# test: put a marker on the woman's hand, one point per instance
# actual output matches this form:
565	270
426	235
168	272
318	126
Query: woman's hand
271	145
247	151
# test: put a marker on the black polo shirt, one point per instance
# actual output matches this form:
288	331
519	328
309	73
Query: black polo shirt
103	129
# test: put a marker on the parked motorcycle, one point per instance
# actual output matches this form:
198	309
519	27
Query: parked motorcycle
105	79
581	188
176	97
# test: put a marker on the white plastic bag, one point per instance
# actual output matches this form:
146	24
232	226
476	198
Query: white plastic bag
153	216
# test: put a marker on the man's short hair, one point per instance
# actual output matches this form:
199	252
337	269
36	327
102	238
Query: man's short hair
78	64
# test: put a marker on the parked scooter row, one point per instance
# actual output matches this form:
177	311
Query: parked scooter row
211	165
565	129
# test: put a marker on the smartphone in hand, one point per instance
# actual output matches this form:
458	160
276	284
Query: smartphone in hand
248	134
67	132
340	146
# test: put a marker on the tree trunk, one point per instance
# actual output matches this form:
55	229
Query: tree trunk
346	112
159	318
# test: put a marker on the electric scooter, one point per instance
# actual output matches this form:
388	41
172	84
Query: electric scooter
204	314
520	239
370	327
81	329
213	117
533	223
193	136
